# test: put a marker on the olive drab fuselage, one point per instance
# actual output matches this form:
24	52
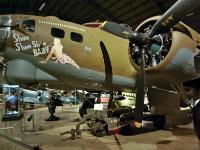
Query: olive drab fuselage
65	54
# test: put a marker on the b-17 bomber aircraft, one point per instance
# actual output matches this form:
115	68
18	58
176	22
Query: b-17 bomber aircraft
160	55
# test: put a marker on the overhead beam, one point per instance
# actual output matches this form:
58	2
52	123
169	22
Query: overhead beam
111	4
8	11
97	16
93	5
89	17
139	15
50	5
65	7
69	11
78	12
11	6
123	6
133	9
158	5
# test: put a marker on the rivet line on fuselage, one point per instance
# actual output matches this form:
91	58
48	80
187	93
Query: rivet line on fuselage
61	25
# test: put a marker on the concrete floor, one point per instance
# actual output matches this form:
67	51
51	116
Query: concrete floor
47	135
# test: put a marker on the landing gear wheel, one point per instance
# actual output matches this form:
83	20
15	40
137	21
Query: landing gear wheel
85	105
82	109
196	119
100	129
159	121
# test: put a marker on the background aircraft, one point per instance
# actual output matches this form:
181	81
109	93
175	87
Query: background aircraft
34	97
159	55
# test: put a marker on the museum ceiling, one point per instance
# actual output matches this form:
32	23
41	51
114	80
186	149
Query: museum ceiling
131	12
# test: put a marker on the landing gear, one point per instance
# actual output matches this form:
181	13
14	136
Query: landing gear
100	129
196	119
83	109
86	103
159	121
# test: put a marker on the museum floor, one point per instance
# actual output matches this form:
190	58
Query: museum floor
47	135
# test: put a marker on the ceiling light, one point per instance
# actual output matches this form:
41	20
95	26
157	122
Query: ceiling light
42	6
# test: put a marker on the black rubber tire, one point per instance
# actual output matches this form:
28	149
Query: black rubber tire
84	105
82	109
159	121
196	119
100	131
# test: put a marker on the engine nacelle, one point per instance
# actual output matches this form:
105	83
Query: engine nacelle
172	53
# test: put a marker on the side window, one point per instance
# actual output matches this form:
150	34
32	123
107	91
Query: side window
56	32
76	37
29	25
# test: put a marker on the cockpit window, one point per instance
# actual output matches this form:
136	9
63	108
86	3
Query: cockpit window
59	33
29	25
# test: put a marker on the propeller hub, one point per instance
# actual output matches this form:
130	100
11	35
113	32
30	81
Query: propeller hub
140	39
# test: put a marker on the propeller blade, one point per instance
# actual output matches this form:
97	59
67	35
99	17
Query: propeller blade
140	86
176	13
